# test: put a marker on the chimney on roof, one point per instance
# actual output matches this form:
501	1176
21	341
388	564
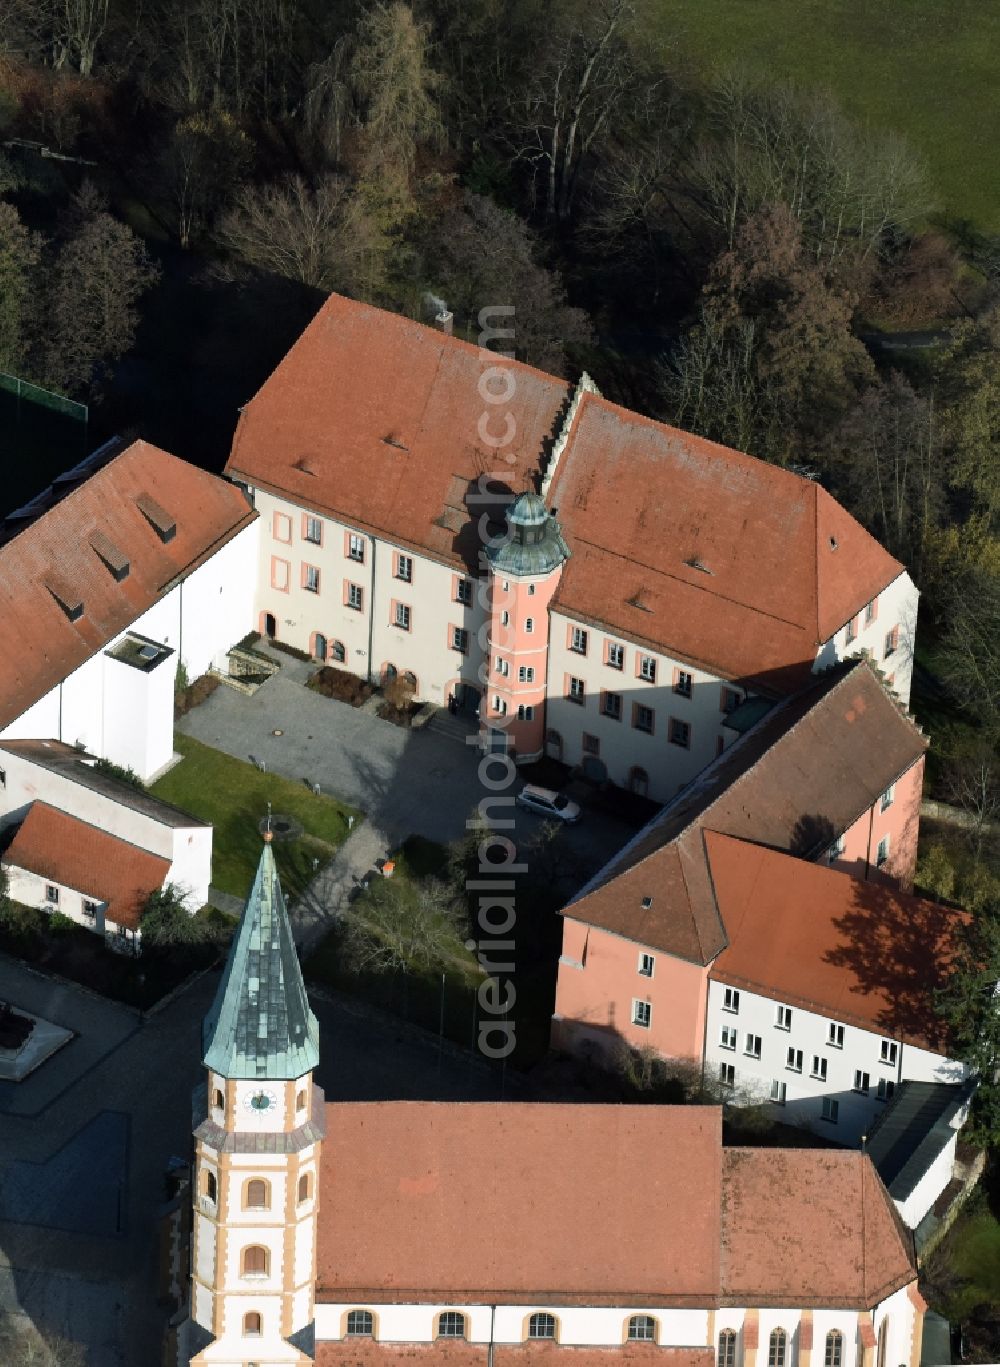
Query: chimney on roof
443	317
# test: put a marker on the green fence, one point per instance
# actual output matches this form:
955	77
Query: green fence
41	436
28	393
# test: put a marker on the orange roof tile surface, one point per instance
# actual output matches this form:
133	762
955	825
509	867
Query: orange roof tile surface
64	554
558	1211
560	1217
809	1227
376	420
456	1353
65	850
821	939
803	775
730	562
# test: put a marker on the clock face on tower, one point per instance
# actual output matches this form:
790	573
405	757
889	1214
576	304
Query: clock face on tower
260	1102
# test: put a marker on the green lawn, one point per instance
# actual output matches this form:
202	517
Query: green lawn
964	1273
923	68
233	796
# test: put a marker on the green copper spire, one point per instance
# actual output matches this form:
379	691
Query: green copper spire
260	1024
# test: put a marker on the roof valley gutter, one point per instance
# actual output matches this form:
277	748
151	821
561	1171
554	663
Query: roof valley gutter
493	1320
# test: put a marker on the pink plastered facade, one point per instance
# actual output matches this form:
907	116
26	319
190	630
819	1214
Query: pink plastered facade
517	660
894	818
600	984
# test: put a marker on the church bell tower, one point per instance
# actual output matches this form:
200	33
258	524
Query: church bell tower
258	1133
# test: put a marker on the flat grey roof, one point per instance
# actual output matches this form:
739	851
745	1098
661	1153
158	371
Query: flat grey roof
912	1131
78	767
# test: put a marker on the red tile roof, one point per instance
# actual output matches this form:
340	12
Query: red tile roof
65	850
810	1227
803	775
818	938
591	1205
558	1211
457	1353
724	560
64	555
375	419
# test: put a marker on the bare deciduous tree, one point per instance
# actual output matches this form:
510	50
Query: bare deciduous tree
321	237
885	457
581	76
327	100
770	144
479	254
392	74
22	1345
971	781
772	354
403	928
96	280
202	163
970	650
20	251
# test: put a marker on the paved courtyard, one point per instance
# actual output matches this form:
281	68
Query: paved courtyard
407	782
84	1150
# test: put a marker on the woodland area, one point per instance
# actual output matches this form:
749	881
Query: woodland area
735	256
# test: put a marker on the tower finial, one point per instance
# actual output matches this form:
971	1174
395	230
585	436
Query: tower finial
268	833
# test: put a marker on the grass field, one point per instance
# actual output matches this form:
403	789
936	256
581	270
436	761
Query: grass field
923	68
233	796
963	1276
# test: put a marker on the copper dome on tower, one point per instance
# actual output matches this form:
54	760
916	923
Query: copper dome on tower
534	543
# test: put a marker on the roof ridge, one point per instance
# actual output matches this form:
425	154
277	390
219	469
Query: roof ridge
446	340
716	762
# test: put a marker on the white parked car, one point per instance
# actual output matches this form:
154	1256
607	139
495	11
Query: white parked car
548	803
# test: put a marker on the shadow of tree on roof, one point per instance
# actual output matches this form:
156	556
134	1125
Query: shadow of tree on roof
899	948
811	835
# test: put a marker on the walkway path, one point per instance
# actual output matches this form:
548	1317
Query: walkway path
326	899
423	782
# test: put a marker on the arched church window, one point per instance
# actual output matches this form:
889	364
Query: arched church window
727	1348
360	1324
451	1324
300	1100
642	1329
542	1326
218	1100
258	1197
252	1323
211	1186
834	1349
777	1351
305	1187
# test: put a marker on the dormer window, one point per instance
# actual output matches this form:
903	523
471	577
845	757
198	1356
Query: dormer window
158	518
115	560
68	598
